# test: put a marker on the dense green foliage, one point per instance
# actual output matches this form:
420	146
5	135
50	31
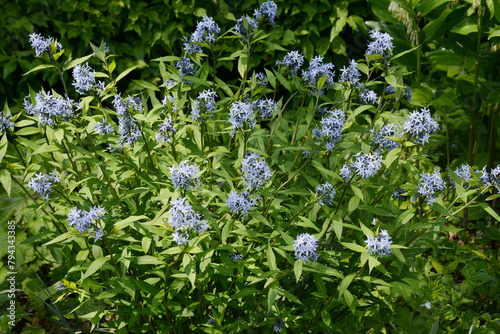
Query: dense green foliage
443	273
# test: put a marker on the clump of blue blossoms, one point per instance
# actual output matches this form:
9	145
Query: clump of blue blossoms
60	286
345	172
463	173
6	122
42	44
381	45
305	247
212	321
184	176
398	194
50	108
85	221
104	128
255	171
204	103
278	325
241	203
407	92
316	70
84	80
206	32
381	138
325	193
252	24
351	74
128	127
381	244
166	131
429	185
492	178
183	219
241	113
42	183
185	67
261	79
292	62
366	165
236	257
266	11
265	107
368	96
420	125
330	130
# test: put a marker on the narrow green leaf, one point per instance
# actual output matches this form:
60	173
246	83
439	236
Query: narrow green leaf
345	284
244	292
297	269
75	62
271	258
38	68
6	180
94	266
488	209
354	247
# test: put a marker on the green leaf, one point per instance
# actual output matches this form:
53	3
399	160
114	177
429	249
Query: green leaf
283	81
345	284
38	68
98	52
146	85
271	298
94	266
271	258
321	82
75	62
398	254
391	156
297	269
495	32
435	327
120	225
354	247
6	180
124	73
426	6
337	226
46	149
244	292
488	209
353	203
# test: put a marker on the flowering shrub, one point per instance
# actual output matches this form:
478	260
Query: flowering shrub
211	206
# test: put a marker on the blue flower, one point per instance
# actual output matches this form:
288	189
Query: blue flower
85	221
330	130
381	45
266	11
316	70
253	24
351	74
103	128
241	113
84	79
42	183
128	127
325	193
50	109
492	178
185	67
420	125
463	172
166	131
398	194
184	176
60	286
255	171
42	44
204	103
212	321
278	325
382	140
241	204
169	102
183	219
305	247
6	122
206	32
261	79
346	173
380	244
429	185
236	257
292	61
366	165
266	107
368	96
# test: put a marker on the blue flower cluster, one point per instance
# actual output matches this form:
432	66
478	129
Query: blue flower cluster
85	221
305	247
381	244
49	108
381	138
166	131
104	128
346	172
60	286
42	183
185	67
128	127
420	125
252	24
398	193
183	220
492	178
206	32
241	203
261	79
366	165
381	45
236	257
212	321
266	11
368	96
241	113
463	172
84	79
265	107
278	325
429	185
330	130
6	122
351	74
170	103
407	93
184	176
292	61
255	171
204	103
325	193
316	70
42	44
